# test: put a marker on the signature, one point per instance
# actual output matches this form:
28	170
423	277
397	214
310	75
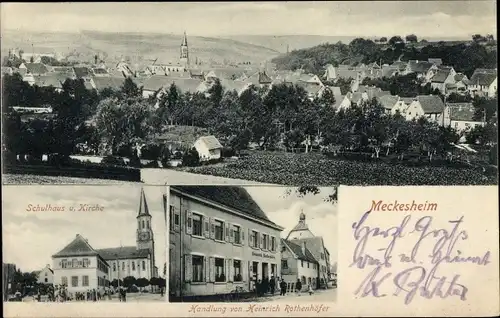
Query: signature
415	280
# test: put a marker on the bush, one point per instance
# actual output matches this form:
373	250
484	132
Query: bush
152	164
191	158
151	152
228	152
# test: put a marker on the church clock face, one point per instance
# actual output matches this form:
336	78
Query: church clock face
144	236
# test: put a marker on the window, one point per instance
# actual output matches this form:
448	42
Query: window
171	217
85	280
74	281
307	264
46	280
74	263
143	265
176	219
265	241
114	267
236	234
301	263
64	281
64	263
197	262
133	265
219	230
322	256
219	270
273	243
85	262
254	237
284	264
237	271
147	224
197	224
142	223
123	266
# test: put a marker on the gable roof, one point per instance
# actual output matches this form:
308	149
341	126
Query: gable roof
461	111
78	247
233	197
419	66
338	101
431	104
312	89
375	92
55	80
100	71
435	61
143	204
297	250
440	76
238	86
114	83
461	77
388	101
483	79
313	244
36	68
335	91
81	71
123	252
211	142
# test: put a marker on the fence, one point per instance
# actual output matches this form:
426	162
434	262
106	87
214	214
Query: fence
97	172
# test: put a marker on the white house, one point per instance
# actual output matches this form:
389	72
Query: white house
298	263
460	116
208	148
443	78
350	99
429	106
483	83
46	275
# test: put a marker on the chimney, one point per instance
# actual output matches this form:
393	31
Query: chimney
304	248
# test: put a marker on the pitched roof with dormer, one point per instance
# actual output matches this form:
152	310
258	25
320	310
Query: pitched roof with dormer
431	104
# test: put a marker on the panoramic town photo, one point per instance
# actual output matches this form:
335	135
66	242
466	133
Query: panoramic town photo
252	244
325	93
83	244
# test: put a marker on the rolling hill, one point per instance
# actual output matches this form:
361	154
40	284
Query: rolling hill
139	47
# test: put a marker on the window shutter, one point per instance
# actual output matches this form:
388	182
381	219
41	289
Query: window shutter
212	269
242	235
260	240
188	271
206	228
207	269
250	237
189	222
231	270
231	234
244	270
226	270
212	228
227	231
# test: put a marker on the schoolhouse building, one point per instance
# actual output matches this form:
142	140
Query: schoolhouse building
220	239
80	267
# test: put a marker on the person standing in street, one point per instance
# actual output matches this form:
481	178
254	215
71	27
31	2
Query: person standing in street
298	286
272	286
283	287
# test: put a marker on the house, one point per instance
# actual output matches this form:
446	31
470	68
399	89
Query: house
305	256
197	74
435	61
238	86
459	86
155	83
420	67
428	106
350	99
80	267
34	68
100	72
220	239
313	90
368	93
460	116
345	72
443	78
483	82
125	69
99	83
67	71
260	79
52	79
208	147
45	276
393	104
298	263
83	72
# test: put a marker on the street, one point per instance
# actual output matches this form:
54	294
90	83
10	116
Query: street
131	297
329	295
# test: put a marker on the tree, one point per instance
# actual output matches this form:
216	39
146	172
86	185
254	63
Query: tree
129	281
130	89
142	282
411	38
383	39
394	40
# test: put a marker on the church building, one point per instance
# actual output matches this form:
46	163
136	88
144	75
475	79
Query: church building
304	257
81	267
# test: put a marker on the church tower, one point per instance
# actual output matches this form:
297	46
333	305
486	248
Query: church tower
145	239
185	52
301	230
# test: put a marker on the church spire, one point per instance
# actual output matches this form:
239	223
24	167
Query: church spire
185	51
184	40
143	205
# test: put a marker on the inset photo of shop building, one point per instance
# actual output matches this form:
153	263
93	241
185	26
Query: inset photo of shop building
259	243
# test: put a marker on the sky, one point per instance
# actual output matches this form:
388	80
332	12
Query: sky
284	210
31	238
334	18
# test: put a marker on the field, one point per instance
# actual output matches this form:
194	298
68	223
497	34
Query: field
316	169
34	179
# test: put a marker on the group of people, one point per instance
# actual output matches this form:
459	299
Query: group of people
93	295
267	285
59	293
